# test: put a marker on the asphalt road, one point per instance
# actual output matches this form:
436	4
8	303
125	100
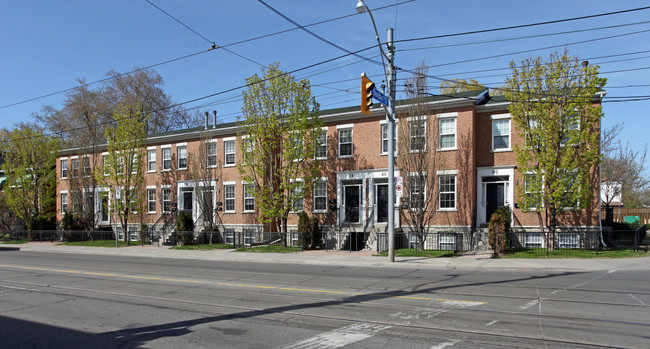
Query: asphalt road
50	300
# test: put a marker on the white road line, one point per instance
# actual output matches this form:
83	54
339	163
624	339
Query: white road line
640	301
529	304
444	345
340	337
491	322
611	271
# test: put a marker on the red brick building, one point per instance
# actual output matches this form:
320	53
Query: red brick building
476	172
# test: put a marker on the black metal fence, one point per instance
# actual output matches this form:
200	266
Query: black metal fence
438	241
565	241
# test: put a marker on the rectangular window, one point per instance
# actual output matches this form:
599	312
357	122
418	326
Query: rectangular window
345	143
569	240
64	202
533	192
167	199
182	157
249	197
298	144
151	200
151	160
134	201
418	135
85	163
298	198
229	236
416	191
384	139
229	197
447	241
501	134
167	159
320	196
75	168
447	132
249	237
447	190
211	151
321	145
64	168
229	152
133	232
105	164
75	201
533	240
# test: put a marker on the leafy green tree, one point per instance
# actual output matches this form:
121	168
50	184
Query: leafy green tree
30	188
552	104
122	168
279	133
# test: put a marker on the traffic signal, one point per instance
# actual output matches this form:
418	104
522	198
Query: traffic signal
366	94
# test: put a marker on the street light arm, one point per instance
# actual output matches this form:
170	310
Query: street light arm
383	54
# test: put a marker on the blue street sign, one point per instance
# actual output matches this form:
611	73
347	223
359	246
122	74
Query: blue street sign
380	97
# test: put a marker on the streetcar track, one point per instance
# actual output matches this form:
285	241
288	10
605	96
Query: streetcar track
249	312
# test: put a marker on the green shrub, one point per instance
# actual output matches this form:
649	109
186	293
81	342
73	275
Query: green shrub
304	230
185	225
503	218
316	236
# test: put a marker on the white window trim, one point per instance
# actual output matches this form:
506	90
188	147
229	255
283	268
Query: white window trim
162	157
234	184
501	117
321	180
338	131
61	160
382	123
216	155
451	115
417	118
322	158
154	198
162	197
455	208
66	200
244	184
149	161
229	139
178	157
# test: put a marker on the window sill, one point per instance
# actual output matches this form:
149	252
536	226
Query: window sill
229	212
447	210
62	178
501	150
182	169
154	171
166	170
229	165
346	156
213	166
320	158
446	149
319	211
248	212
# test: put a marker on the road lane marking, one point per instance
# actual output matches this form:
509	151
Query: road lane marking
611	271
491	322
529	304
444	345
340	337
454	302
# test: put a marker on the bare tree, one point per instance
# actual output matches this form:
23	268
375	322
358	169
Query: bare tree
417	162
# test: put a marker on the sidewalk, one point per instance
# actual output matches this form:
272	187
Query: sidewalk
359	259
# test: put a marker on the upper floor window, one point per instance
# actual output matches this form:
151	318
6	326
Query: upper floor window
298	198
105	164
151	200
321	145
447	190
166	199
75	168
85	163
64	202
447	131
229	197
345	143
501	132
211	153
249	197
417	135
320	196
182	157
417	186
64	168
167	158
229	152
151	160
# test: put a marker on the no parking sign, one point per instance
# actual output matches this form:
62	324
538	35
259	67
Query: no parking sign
399	188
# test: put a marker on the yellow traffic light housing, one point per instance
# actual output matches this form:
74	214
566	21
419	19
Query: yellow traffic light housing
366	94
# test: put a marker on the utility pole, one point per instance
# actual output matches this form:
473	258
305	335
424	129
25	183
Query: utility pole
391	145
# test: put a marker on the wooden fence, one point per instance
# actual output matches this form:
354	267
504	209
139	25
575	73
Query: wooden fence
621	212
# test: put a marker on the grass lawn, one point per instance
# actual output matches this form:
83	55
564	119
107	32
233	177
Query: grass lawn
100	243
414	253
615	253
204	247
15	242
267	249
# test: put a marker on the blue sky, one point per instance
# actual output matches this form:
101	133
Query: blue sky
47	45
